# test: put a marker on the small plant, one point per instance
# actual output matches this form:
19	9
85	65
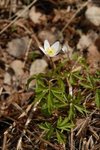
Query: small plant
61	95
51	51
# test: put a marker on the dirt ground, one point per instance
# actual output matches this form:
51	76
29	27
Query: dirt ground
24	26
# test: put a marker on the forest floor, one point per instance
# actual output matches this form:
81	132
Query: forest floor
49	103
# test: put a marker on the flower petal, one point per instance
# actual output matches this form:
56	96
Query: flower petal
56	47
42	49
46	45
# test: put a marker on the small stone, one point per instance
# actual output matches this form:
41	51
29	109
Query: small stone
45	34
17	47
86	40
93	15
7	78
17	66
93	58
35	16
38	66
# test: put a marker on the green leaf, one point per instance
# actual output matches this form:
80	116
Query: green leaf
59	97
87	86
41	89
30	80
63	124
72	80
71	113
60	137
61	85
50	101
80	108
40	83
44	110
97	98
45	126
78	76
59	104
49	133
56	90
40	96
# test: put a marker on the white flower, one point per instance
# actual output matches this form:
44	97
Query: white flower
52	50
68	51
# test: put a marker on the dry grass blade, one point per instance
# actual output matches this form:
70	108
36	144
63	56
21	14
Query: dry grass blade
43	140
83	127
84	5
94	133
26	55
33	109
90	143
13	21
31	33
4	140
72	147
96	147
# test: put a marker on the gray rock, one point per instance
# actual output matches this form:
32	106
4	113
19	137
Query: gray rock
17	47
7	78
17	66
50	36
38	66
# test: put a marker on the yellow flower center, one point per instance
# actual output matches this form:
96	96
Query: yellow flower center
50	51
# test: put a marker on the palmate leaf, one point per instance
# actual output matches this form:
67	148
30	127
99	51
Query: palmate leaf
48	129
81	109
63	124
61	85
40	96
41	89
49	133
58	104
60	137
45	126
40	83
59	97
97	98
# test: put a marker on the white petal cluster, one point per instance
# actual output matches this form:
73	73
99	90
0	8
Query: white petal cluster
52	50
